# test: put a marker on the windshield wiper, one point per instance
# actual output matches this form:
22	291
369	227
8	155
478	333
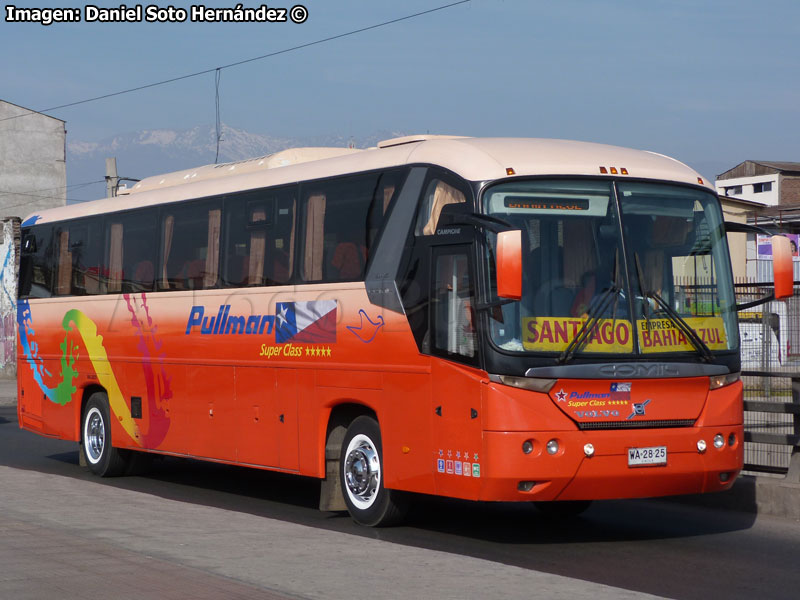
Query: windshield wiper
595	313
596	310
679	321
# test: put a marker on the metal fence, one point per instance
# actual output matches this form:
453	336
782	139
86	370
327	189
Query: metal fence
770	345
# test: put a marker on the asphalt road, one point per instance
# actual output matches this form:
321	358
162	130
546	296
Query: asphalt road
664	548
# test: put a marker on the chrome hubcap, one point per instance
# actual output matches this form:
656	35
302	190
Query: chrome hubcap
362	471
95	436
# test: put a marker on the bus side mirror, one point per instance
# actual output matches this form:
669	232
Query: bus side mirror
782	270
509	264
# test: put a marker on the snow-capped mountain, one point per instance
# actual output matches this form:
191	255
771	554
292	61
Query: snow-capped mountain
151	152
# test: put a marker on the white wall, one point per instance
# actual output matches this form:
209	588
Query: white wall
770	198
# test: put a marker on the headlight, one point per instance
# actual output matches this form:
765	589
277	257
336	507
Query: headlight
535	384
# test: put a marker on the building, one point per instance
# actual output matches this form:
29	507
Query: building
33	177
33	168
769	183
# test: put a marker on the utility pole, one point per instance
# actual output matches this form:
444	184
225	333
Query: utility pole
112	179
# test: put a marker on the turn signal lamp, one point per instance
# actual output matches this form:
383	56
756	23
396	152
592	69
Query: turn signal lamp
718	381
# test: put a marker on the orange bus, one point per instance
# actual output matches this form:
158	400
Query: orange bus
488	319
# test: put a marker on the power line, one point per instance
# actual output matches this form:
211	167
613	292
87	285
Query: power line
32	195
59	187
245	61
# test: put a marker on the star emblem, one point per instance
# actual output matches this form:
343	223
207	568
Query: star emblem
561	395
281	316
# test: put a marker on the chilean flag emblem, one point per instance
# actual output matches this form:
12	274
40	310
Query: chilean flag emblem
306	322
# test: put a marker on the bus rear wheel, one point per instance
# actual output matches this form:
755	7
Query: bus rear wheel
361	470
101	457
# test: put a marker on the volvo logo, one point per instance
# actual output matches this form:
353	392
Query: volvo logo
638	409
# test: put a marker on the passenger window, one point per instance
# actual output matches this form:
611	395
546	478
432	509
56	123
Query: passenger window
36	263
338	217
132	243
260	230
438	194
190	247
387	189
79	259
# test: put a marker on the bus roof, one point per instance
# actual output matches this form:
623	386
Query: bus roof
475	159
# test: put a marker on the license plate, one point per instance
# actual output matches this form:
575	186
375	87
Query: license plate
646	457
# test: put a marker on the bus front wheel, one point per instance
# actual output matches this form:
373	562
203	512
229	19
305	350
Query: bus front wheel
361	472
101	457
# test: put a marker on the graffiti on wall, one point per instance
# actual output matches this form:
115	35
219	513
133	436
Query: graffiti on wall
8	299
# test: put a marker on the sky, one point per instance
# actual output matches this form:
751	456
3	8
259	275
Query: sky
711	83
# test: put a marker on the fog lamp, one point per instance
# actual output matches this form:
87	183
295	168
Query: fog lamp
552	447
527	446
701	446
719	441
588	450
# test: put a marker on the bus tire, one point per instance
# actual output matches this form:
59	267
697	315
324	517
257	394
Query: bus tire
101	457
361	470
563	509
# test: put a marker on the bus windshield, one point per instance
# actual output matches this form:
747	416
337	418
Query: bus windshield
625	267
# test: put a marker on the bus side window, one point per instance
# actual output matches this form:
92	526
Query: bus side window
259	238
37	263
453	314
79	259
337	216
190	247
438	194
132	244
389	183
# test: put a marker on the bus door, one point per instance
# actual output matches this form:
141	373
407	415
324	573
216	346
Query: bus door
456	387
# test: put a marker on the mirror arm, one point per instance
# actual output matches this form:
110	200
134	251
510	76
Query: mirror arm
758	302
732	227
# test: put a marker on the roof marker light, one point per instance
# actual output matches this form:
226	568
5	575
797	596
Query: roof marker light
510	171
613	170
700	181
604	171
623	170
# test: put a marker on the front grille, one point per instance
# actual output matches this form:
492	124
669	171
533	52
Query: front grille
636	424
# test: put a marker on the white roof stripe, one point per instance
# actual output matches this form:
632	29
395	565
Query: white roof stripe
476	159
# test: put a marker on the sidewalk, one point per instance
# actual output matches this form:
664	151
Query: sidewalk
8	391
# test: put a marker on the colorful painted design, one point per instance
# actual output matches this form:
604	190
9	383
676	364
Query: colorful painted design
158	385
77	322
366	332
30	221
62	393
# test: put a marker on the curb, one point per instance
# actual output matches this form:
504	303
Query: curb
760	495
